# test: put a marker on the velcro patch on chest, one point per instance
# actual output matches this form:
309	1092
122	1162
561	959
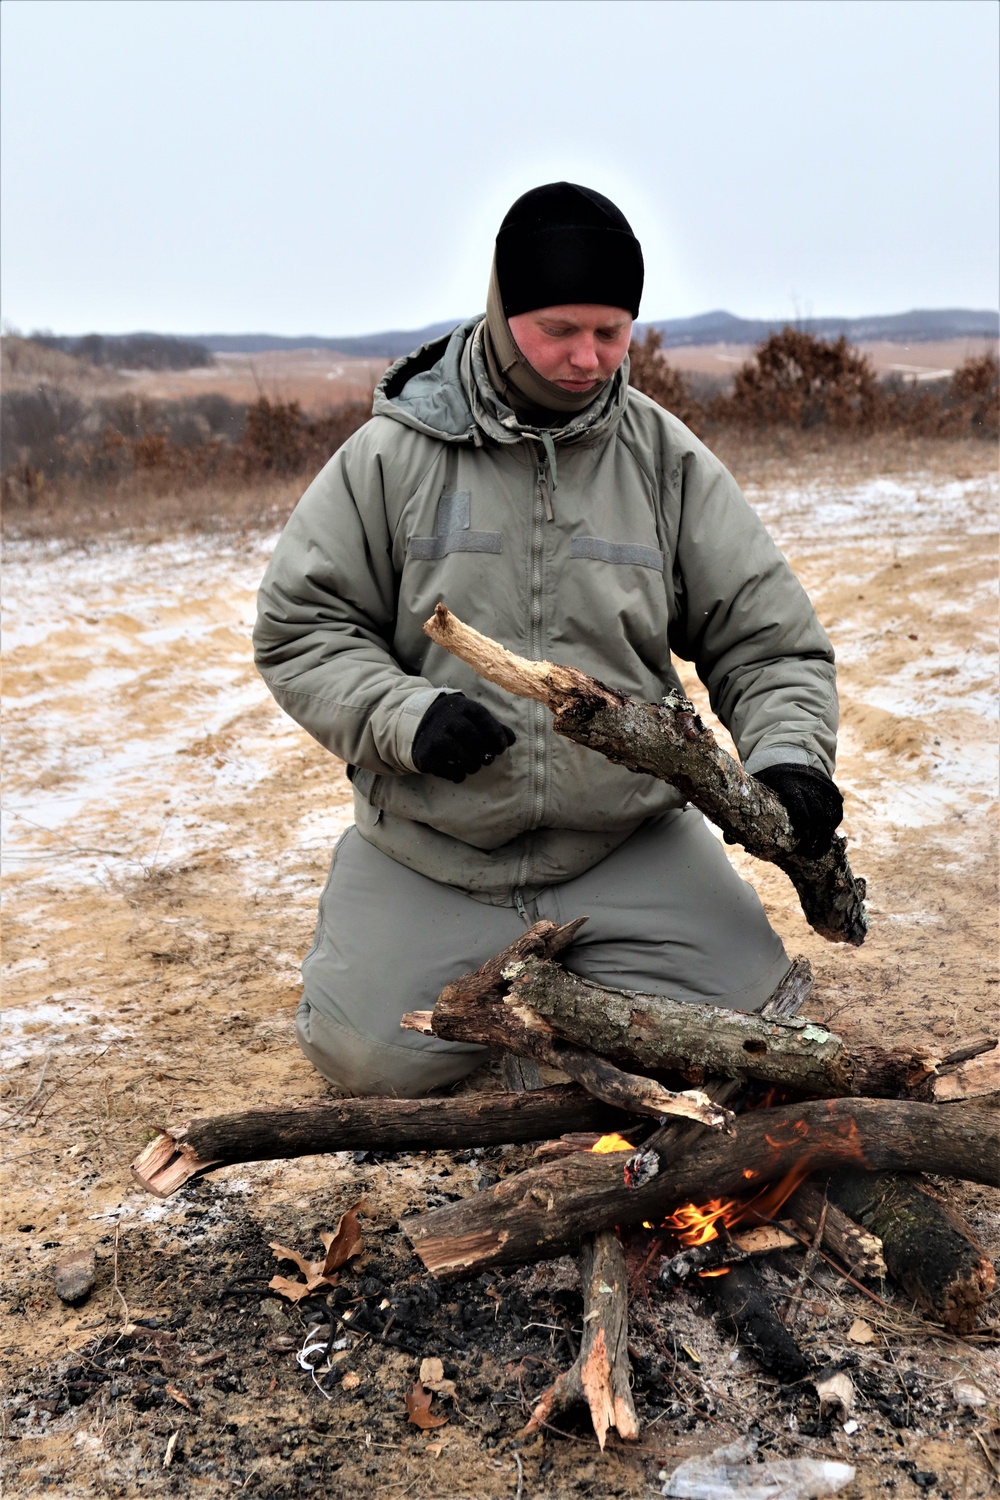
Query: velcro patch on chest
453	531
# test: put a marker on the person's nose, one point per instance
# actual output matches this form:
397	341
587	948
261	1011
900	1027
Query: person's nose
584	355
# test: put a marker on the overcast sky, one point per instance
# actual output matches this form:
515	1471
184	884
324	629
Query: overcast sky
338	168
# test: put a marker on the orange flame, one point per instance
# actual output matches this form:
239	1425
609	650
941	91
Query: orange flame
696	1226
719	1271
609	1143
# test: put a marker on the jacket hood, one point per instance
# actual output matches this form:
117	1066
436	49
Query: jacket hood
443	389
425	390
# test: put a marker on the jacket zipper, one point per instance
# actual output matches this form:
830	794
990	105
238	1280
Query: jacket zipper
541	511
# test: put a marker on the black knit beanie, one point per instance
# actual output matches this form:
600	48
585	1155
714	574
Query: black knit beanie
563	243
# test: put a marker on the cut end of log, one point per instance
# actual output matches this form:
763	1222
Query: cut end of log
977	1078
163	1166
452	1255
418	1020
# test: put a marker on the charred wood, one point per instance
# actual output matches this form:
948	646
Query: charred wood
741	1299
731	1250
927	1248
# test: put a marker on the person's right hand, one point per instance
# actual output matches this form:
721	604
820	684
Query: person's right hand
457	737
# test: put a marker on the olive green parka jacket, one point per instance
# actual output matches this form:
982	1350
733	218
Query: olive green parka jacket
606	544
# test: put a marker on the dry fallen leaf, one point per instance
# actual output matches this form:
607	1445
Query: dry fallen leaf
340	1246
351	1381
861	1332
178	1395
344	1242
432	1376
418	1406
296	1290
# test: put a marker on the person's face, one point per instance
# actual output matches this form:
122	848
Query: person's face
576	346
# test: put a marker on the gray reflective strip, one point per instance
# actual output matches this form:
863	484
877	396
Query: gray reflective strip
452	533
616	552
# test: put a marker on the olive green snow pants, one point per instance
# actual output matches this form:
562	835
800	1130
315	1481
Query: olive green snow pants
668	915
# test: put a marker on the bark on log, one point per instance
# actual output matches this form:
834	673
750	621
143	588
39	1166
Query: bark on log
541	1212
853	1245
351	1124
476	1009
600	1374
654	1032
927	1248
669	740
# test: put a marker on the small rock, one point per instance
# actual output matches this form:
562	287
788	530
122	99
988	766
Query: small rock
967	1395
75	1276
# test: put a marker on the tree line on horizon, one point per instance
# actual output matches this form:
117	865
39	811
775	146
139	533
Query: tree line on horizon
53	438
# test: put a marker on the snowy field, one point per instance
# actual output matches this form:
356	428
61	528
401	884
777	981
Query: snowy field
166	836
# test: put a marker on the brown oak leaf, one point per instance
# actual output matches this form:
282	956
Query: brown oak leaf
340	1245
418	1406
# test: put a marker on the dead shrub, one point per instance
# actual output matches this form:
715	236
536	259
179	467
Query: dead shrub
59	449
974	396
651	373
796	380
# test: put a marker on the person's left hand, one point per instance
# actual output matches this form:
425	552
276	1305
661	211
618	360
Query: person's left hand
812	801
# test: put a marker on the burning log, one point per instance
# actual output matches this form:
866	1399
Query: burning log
600	1374
200	1146
655	1032
856	1247
542	1211
928	1249
669	740
706	1259
741	1299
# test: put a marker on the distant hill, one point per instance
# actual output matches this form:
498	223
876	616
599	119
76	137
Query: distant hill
917	327
388	345
920	326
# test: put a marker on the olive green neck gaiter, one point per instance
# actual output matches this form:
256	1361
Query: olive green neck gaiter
530	396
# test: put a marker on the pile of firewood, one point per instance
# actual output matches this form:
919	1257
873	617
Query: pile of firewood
670	1095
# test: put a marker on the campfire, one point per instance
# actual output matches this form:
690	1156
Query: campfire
721	1173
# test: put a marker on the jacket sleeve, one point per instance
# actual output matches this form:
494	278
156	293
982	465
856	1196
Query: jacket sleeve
746	622
325	618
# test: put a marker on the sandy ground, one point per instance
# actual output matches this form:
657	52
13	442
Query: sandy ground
167	833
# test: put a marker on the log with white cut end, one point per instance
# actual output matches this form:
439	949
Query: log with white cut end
669	740
202	1145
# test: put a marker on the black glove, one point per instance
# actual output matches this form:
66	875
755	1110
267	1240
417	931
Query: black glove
457	736
812	801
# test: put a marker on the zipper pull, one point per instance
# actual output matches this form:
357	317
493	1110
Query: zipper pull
520	909
543	485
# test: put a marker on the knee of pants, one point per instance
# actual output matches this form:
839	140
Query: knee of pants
361	1065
